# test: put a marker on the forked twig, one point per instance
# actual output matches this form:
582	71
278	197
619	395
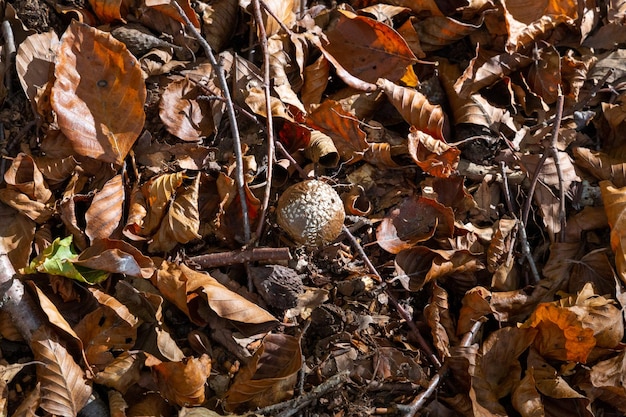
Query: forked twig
230	109
403	313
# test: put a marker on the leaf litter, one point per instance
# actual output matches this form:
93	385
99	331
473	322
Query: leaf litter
476	147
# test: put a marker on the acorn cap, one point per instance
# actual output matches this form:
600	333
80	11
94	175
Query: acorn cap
311	212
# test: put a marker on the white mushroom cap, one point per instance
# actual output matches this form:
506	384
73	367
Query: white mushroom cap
311	212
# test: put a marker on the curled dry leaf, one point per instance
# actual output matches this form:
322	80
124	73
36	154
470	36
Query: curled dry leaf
217	18
269	377
415	108
107	330
601	165
104	215
416	219
434	156
331	119
435	32
528	22
98	94
561	336
367	49
35	62
15	231
615	207
183	382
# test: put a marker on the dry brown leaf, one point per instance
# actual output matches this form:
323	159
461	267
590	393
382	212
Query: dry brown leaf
315	81
106	330
217	21
182	221
435	32
526	399
342	127
123	372
501	368
544	75
16	235
601	165
440	320
269	377
184	115
486	69
115	256
98	94
367	49
615	206
561	336
415	108
64	390
187	289
35	63
434	156
109	11
157	193
104	215
183	382
606	381
24	176
417	219
165	7
528	22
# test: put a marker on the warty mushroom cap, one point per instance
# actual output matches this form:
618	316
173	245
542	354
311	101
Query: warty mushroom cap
311	212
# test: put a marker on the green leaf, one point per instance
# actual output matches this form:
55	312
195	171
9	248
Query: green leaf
57	259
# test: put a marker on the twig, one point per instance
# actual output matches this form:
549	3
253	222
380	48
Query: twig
230	109
535	177
269	120
9	52
523	239
420	400
403	313
293	406
292	161
213	260
557	164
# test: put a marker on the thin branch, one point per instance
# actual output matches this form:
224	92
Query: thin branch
213	260
230	109
523	239
256	7
420	400
555	155
293	406
403	313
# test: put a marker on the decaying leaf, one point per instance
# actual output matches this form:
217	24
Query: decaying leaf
183	382
270	376
98	94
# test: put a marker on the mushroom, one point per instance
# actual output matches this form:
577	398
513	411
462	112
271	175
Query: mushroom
311	212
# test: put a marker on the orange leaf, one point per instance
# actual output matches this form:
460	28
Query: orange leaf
270	375
415	108
434	156
331	119
615	207
366	48
165	7
98	94
183	382
108	11
561	334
